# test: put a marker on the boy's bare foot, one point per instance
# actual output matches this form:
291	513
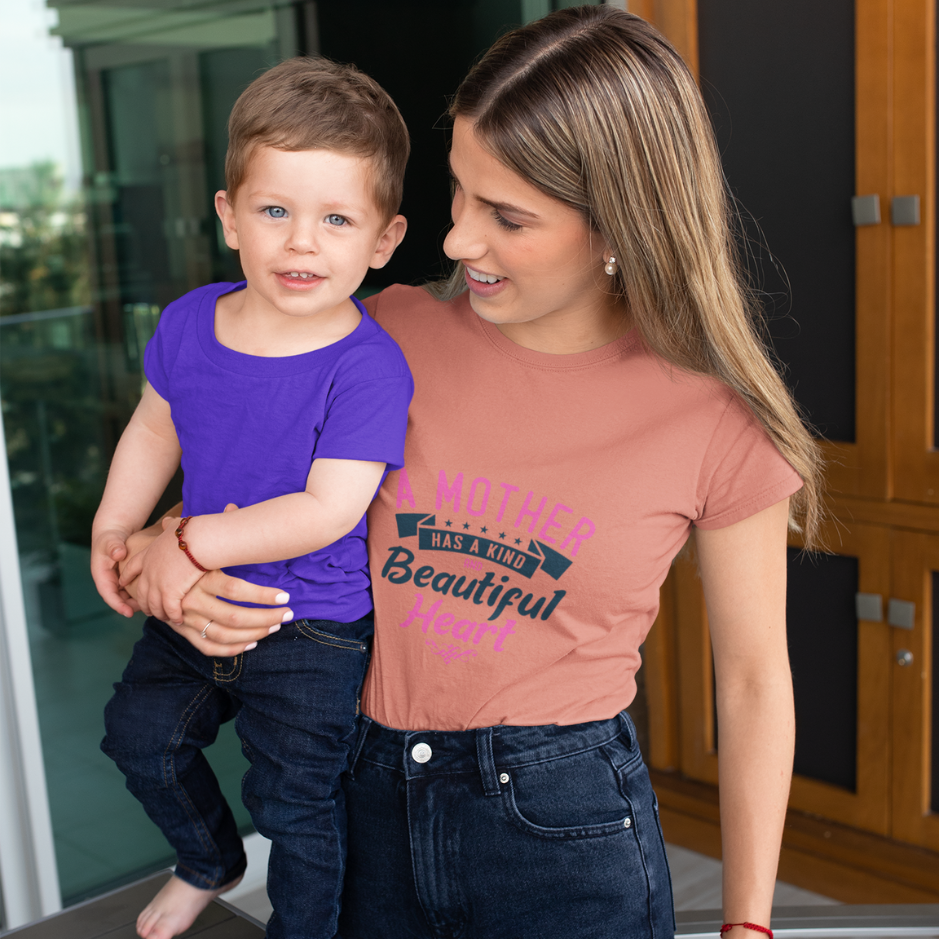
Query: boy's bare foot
175	908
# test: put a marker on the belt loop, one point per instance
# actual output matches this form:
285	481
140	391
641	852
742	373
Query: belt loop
364	724
627	728
487	763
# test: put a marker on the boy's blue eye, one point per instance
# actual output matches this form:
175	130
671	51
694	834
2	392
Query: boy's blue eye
275	211
336	219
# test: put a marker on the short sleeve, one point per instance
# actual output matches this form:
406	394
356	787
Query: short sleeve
155	358
742	472
367	420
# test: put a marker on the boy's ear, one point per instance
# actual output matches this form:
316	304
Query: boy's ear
226	212
389	239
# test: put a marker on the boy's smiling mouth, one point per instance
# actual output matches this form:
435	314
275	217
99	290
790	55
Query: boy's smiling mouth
296	279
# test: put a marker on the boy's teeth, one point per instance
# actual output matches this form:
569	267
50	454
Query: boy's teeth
484	278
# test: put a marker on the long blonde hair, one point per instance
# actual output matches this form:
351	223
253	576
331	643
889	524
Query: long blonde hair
593	107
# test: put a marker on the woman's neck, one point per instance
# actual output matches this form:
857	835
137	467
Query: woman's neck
564	335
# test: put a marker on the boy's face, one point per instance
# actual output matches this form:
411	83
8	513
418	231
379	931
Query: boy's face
308	229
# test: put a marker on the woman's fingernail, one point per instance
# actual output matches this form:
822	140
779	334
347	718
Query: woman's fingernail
287	617
282	598
273	629
252	645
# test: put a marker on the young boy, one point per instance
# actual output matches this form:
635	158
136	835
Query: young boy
283	397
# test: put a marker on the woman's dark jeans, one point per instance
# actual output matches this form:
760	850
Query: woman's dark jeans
294	700
504	833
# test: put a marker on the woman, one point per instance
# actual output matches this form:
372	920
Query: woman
589	386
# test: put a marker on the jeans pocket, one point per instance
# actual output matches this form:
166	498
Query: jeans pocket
321	631
571	797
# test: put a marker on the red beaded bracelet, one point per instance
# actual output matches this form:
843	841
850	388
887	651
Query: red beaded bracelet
728	926
184	547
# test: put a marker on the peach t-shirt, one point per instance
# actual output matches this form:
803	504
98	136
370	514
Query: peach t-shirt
516	559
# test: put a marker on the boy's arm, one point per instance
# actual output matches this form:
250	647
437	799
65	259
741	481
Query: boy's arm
146	458
336	496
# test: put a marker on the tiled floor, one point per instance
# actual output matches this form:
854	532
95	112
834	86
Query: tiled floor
696	884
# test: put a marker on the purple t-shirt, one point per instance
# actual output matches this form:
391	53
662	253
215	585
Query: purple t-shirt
250	427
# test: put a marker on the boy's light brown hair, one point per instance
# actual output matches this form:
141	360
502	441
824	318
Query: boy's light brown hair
310	103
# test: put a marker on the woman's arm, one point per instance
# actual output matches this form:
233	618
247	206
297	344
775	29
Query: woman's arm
743	568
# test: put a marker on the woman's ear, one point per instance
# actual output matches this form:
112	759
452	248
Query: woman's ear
389	239
226	212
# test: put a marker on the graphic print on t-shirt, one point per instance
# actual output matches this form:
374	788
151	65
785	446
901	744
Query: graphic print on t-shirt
476	581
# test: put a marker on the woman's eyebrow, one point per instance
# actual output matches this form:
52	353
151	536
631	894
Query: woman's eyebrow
508	207
498	206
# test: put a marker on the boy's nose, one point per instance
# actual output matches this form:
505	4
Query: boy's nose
302	239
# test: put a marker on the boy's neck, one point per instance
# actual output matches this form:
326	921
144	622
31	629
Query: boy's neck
246	323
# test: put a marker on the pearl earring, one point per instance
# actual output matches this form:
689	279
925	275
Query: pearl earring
610	267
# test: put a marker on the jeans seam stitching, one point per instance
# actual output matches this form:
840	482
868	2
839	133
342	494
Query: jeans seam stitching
602	830
181	795
350	644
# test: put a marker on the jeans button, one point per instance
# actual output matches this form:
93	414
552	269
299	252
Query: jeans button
421	753
503	778
627	823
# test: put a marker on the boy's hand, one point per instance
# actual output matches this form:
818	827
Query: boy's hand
136	543
108	549
164	575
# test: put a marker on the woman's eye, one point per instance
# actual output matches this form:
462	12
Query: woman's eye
275	211
336	220
503	222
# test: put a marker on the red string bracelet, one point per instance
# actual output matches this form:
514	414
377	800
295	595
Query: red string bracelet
184	547
728	926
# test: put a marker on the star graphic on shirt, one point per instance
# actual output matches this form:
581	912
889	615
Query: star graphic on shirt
448	523
502	535
465	526
518	540
484	529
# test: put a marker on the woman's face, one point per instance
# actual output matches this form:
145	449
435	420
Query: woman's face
533	267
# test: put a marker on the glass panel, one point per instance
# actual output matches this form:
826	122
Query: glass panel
105	216
781	97
823	650
112	149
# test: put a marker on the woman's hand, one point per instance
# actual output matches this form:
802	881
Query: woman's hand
229	630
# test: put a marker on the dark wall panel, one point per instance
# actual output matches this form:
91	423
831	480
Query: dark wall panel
822	628
778	79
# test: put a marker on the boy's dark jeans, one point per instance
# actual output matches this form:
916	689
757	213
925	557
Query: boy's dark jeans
294	700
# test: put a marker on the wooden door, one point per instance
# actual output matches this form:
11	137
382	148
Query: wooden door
803	121
914	253
842	670
915	712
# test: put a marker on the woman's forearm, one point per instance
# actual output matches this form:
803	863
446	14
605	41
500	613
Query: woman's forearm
757	733
743	568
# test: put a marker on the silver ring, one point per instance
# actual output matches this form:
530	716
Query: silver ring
204	628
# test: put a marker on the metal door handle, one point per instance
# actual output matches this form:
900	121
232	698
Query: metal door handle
865	210
904	210
901	613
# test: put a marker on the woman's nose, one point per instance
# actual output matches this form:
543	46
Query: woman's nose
463	241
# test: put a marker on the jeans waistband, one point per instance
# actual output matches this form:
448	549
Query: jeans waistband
419	753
